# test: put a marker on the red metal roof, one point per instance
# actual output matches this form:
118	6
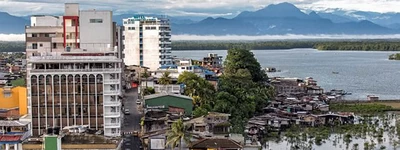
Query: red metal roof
8	138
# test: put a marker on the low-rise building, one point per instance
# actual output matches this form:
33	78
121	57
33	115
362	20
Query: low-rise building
223	144
72	138
169	102
12	133
13	102
212	124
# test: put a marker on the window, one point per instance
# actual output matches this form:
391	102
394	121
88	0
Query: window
131	28
113	130
46	35
113	120
41	45
34	46
34	35
54	45
96	20
113	109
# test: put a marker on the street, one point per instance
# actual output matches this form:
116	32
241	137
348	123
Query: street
131	121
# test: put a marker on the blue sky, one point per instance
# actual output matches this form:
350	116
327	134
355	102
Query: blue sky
199	8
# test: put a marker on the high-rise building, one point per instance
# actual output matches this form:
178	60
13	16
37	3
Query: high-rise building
147	42
74	71
85	29
75	88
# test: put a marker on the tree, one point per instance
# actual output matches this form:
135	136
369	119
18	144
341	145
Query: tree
239	59
198	88
145	75
165	78
176	134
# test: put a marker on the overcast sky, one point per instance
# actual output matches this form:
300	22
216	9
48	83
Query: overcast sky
213	8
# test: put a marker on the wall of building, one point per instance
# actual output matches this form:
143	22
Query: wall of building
151	47
46	21
166	101
131	44
16	99
96	29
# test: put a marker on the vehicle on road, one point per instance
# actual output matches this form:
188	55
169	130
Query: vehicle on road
126	111
135	133
138	102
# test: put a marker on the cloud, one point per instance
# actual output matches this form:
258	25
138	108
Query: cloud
281	37
190	7
12	37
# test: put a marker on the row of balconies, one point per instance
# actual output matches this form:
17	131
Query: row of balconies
64	121
112	70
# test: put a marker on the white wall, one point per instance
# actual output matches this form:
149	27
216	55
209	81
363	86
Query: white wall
71	9
132	46
96	35
151	48
46	21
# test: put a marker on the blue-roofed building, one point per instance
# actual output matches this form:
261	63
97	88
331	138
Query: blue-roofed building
12	133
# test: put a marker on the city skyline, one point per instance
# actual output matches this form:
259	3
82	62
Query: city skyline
198	8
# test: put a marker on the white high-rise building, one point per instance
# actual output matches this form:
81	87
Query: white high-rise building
147	42
74	71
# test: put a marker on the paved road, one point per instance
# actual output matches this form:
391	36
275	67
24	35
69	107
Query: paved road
131	121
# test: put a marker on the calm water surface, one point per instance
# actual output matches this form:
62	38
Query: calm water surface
361	73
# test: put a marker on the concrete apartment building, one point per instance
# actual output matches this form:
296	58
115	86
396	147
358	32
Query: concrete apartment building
147	42
74	71
85	29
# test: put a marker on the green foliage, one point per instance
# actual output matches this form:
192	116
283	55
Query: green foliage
359	46
165	79
12	46
241	91
360	108
241	63
18	82
365	45
224	45
198	88
176	134
149	91
394	56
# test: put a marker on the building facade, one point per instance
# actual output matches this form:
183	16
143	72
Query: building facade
147	42
75	88
13	102
86	29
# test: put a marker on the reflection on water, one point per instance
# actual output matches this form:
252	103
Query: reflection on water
370	133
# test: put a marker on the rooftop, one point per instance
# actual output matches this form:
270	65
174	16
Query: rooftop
15	123
216	143
166	94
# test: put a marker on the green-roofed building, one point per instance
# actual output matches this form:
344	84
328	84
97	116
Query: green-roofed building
169	102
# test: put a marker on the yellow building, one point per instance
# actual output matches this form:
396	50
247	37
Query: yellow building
13	98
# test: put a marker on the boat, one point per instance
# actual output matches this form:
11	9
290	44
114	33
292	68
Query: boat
334	72
270	69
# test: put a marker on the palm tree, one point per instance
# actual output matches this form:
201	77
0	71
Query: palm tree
176	134
165	79
145	75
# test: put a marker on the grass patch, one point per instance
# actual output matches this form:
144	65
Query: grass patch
18	82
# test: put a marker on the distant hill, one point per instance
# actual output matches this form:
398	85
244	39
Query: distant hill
11	24
283	18
277	19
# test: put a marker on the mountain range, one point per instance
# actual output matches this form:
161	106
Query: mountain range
275	19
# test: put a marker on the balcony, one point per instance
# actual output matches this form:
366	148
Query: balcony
71	29
112	103
112	114
112	92
43	29
38	39
112	125
78	70
111	81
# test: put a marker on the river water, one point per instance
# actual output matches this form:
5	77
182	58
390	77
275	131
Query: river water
360	72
